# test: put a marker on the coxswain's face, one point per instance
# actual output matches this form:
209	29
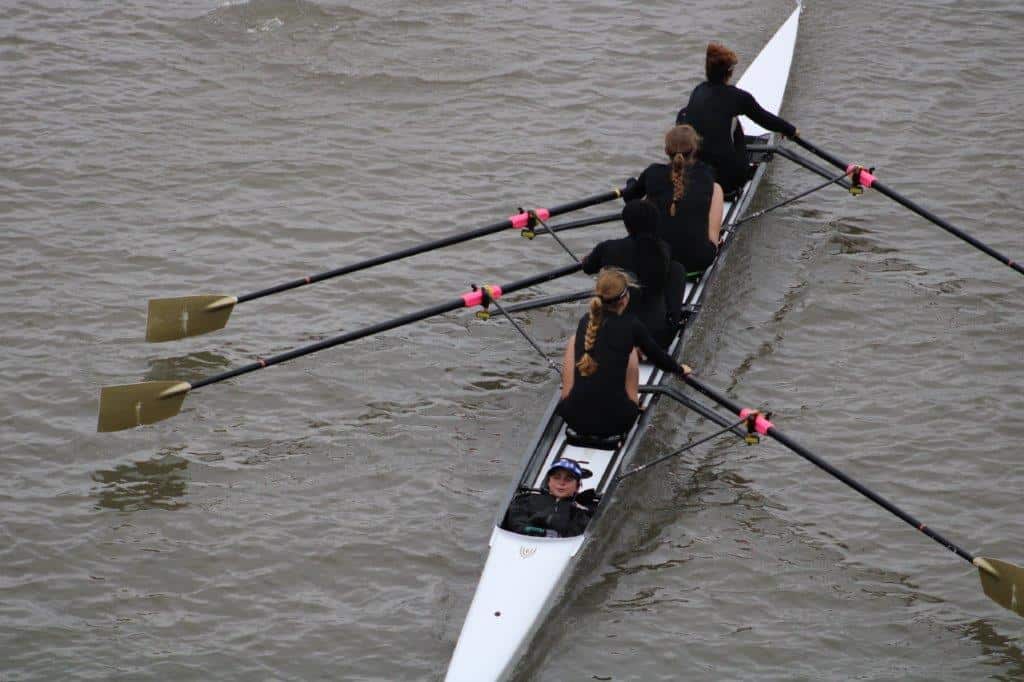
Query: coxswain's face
562	484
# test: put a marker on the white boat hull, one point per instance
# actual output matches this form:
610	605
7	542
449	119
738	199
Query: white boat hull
523	573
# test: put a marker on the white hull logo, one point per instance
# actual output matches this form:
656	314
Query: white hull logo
527	552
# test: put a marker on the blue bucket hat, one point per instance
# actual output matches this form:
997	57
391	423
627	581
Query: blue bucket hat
572	466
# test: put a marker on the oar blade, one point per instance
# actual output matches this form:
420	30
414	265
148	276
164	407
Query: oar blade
1003	582
171	319
130	405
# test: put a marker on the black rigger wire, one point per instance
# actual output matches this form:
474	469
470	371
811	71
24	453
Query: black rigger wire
758	214
501	309
533	214
685	448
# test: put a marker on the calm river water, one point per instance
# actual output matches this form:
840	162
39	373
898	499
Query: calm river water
328	518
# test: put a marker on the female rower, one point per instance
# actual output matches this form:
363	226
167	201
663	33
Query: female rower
712	111
601	368
688	199
646	256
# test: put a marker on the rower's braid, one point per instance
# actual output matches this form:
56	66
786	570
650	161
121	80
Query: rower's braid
678	180
587	365
681	145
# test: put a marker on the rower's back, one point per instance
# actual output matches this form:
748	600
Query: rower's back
713	110
647	258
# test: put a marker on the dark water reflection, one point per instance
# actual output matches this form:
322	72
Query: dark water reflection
150	484
191	367
1004	649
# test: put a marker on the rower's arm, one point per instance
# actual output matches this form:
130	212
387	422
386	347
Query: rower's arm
715	214
654	352
749	107
592	261
637	189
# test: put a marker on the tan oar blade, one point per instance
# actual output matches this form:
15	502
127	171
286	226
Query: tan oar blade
131	405
1003	582
176	318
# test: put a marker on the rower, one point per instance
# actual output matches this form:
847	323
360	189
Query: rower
646	256
712	111
601	368
555	511
689	201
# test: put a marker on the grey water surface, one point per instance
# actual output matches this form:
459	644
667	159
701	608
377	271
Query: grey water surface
328	518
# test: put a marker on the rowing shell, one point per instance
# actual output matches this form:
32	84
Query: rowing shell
523	573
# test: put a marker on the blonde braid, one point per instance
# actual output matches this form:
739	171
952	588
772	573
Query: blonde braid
609	290
587	364
678	181
681	145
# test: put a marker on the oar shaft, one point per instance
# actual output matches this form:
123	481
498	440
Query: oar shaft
877	185
798	160
586	222
549	300
691	404
409	318
422	248
825	466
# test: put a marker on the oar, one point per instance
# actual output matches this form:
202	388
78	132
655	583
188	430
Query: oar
1002	581
554	299
863	177
691	404
122	407
178	318
585	222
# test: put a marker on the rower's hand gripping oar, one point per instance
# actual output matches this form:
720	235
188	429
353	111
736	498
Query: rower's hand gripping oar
170	319
1002	581
123	407
864	178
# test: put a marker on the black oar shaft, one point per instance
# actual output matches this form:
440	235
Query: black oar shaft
799	160
422	248
825	466
409	318
586	222
549	300
692	405
916	208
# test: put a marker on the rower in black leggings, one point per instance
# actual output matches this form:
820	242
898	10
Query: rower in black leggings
713	109
601	370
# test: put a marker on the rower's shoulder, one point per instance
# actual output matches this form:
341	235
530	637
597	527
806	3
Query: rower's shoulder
656	170
608	244
739	92
701	87
702	169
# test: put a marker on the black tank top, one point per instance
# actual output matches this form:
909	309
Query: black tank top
686	232
616	339
598	404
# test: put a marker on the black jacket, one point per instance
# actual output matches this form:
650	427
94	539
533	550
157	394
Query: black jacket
533	513
712	111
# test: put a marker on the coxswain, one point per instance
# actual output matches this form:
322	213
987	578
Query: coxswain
713	109
556	511
658	297
601	368
688	199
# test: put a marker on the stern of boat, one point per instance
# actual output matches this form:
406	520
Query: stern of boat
520	576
